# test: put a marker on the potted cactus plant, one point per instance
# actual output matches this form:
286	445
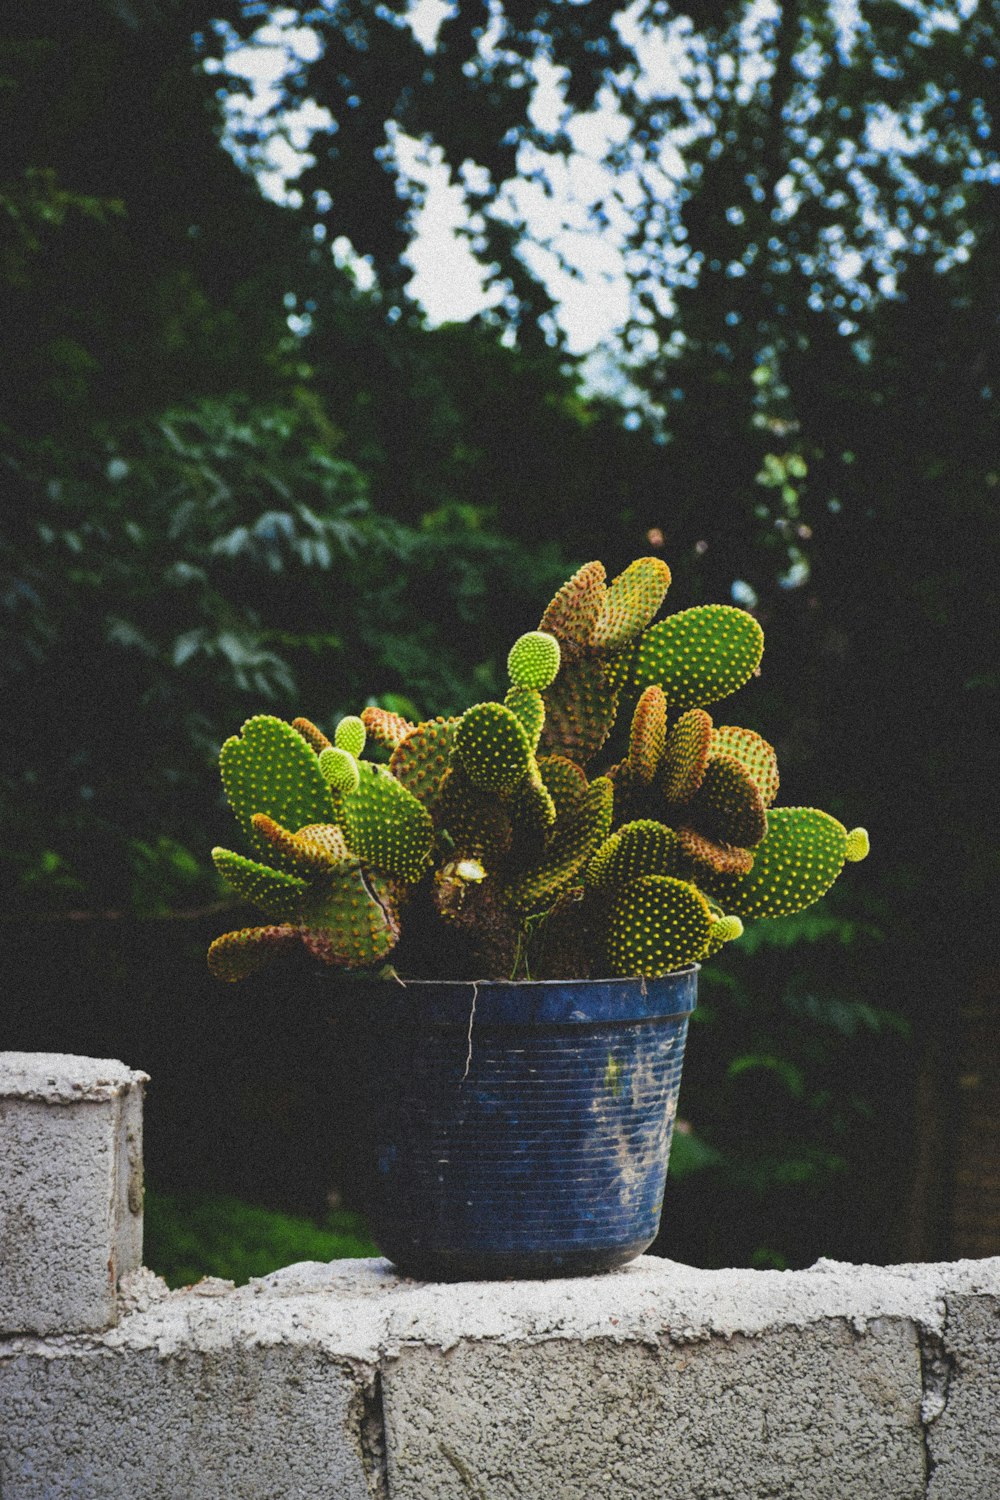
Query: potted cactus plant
536	904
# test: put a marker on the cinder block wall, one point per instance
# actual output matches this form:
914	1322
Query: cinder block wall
344	1382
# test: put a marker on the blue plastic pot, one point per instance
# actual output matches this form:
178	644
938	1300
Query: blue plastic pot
520	1129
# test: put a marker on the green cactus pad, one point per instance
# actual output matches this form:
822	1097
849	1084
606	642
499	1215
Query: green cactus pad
799	859
572	614
648	736
580	711
349	917
312	735
236	955
573	843
269	768
529	707
477	822
728	806
492	747
533	660
751	751
385	825
350	735
858	845
657	924
686	755
274	891
384	728
630	602
707	854
700	655
421	759
643	847
723	930
566	782
339	769
314	848
532	808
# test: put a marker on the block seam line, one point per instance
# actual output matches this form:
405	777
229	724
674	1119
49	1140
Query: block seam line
937	1368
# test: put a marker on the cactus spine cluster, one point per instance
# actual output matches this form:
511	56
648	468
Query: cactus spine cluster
495	845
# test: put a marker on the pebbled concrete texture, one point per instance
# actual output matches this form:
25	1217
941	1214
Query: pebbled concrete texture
70	1189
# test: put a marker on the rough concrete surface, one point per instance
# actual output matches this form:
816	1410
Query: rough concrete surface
70	1189
657	1381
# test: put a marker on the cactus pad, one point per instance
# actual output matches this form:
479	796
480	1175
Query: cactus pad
311	734
573	843
644	847
312	849
421	759
385	825
269	768
275	892
685	756
477	821
857	845
648	737
235	955
350	735
532	808
384	728
566	782
799	859
529	706
657	924
339	769
707	854
533	660
630	602
572	614
699	655
580	712
728	806
492	747
754	753
349	917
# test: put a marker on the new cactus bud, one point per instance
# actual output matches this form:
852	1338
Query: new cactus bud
350	735
339	769
857	845
534	660
723	930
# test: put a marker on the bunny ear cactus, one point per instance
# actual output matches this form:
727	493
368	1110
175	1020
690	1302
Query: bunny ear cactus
494	845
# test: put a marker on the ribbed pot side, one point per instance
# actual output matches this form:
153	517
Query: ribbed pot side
522	1129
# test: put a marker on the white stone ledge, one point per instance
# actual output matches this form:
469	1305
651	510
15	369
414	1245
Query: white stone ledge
657	1382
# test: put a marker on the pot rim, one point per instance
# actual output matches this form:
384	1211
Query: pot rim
623	979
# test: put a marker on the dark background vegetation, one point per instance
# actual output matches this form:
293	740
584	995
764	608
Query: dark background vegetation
233	482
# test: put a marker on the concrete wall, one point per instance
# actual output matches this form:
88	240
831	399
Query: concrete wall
344	1382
